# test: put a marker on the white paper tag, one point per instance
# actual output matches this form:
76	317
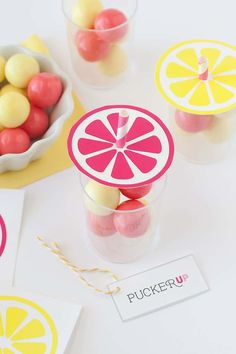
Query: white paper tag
158	287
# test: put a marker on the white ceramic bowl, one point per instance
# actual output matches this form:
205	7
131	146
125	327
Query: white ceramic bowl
58	116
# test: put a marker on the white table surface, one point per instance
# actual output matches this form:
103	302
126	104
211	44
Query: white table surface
199	208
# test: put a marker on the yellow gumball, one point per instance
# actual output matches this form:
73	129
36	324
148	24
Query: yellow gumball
14	109
144	201
85	12
35	44
220	130
115	63
99	196
10	88
20	69
2	68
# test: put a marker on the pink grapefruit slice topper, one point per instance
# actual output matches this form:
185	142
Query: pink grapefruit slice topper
3	235
121	151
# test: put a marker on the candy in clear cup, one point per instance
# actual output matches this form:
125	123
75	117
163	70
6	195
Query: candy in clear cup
198	80
125	234
100	39
123	153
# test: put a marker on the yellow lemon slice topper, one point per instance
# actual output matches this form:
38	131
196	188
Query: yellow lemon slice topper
198	76
25	327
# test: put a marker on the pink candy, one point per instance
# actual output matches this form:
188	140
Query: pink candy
101	225
91	46
135	223
192	123
14	141
108	19
136	193
95	44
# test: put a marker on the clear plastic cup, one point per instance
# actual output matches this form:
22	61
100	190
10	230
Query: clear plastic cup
202	138
114	60
138	228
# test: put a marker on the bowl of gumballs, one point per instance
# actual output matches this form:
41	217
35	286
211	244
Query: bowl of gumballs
35	101
100	38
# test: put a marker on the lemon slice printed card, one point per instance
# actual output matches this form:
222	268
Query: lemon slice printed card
198	76
32	324
11	208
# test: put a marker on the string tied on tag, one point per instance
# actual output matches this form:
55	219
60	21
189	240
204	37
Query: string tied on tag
57	252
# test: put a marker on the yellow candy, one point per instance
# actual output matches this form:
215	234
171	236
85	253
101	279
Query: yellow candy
10	88
220	130
20	69
14	109
1	128
101	195
115	63
2	68
85	12
144	201
35	44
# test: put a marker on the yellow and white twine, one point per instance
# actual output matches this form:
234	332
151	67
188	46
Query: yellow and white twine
57	252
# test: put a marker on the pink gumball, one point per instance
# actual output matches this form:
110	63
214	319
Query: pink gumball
44	90
36	123
108	19
135	223
91	46
101	225
137	192
192	123
13	141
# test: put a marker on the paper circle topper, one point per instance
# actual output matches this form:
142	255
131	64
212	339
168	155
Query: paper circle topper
26	327
138	157
3	235
198	76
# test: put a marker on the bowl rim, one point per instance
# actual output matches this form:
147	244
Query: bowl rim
60	120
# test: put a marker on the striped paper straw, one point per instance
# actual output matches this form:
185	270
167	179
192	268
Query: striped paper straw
203	68
122	129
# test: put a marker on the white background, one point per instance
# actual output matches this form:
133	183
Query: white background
198	212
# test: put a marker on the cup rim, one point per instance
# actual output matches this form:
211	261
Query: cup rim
111	211
92	30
